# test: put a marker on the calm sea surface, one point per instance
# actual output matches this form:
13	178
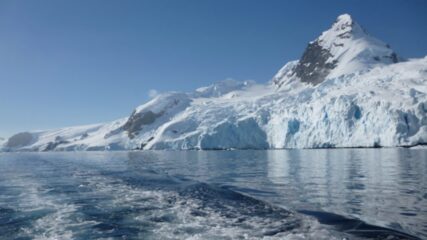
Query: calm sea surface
278	194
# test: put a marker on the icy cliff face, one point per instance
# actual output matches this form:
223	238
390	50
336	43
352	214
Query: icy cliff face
382	107
347	90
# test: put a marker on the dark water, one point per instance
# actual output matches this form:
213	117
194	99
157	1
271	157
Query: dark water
298	194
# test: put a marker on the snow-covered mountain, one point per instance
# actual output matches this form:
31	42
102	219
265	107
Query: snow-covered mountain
347	90
343	49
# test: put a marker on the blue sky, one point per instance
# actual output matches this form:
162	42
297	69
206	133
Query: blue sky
79	62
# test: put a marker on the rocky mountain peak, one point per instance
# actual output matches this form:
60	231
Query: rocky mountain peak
343	28
344	48
343	22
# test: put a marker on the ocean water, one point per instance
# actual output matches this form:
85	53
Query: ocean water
277	194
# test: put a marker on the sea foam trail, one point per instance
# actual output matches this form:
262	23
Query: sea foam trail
54	199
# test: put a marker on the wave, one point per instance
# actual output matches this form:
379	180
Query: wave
356	227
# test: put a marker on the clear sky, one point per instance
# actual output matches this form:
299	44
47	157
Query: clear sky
77	62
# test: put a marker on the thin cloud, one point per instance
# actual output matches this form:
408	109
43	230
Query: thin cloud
153	93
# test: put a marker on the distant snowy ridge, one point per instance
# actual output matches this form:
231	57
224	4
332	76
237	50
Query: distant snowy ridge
347	90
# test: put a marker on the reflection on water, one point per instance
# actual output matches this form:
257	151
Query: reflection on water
386	187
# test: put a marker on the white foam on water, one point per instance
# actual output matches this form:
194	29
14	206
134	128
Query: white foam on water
60	217
173	216
155	213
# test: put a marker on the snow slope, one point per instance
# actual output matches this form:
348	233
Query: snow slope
347	90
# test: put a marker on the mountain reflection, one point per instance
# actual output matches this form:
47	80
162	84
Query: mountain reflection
387	187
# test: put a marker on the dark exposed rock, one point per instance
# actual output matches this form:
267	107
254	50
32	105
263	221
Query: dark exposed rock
137	120
313	66
394	58
52	145
336	47
85	135
145	143
113	132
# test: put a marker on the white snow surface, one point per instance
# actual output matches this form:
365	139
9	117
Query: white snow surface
359	104
353	48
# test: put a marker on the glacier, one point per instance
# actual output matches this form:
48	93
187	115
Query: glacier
349	89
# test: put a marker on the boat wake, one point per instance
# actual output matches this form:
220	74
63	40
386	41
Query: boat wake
81	202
